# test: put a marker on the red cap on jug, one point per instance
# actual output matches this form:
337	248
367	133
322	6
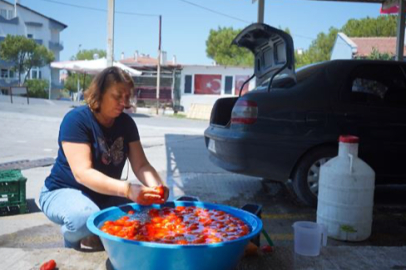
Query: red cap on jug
348	139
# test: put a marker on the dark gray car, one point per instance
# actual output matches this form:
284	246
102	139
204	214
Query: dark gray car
289	125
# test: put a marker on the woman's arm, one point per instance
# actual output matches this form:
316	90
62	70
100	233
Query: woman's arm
143	169
80	162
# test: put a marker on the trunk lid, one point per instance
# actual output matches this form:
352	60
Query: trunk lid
273	50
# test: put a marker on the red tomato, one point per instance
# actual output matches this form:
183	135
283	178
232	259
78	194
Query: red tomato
175	225
131	212
160	190
49	265
267	249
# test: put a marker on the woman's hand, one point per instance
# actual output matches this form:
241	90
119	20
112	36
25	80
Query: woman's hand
163	191
144	195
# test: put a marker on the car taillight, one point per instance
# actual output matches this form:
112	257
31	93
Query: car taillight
244	112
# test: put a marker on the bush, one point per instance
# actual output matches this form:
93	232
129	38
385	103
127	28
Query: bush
37	88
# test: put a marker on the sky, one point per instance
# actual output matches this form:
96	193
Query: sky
186	24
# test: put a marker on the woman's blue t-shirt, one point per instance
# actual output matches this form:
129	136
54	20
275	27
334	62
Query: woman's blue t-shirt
109	146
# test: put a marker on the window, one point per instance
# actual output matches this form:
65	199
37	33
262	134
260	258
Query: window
7	13
188	84
10	14
30	36
34	74
229	85
39	74
378	85
3	13
12	74
4	73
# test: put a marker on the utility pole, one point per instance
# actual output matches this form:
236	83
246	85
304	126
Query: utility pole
261	7
110	32
158	74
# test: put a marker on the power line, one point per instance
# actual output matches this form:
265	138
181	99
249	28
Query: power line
213	11
155	15
100	9
228	16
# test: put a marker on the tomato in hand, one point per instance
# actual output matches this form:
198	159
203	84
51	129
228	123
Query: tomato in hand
160	190
49	265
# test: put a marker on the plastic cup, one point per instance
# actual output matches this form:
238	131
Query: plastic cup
309	237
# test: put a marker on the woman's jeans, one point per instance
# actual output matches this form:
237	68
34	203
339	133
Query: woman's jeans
71	208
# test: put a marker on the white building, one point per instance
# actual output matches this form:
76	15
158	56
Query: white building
205	84
361	47
16	19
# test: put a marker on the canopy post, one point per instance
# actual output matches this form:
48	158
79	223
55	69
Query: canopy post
400	31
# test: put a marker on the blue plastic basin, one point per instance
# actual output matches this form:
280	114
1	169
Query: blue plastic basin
129	255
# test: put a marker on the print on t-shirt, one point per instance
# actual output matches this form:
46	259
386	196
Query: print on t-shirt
113	153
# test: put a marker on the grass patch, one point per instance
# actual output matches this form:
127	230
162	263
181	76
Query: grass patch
177	115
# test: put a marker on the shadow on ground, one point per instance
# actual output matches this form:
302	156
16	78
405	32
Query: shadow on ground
41	237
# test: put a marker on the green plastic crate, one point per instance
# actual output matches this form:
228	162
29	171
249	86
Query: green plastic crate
12	192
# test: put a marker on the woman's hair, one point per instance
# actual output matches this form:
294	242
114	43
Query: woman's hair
102	81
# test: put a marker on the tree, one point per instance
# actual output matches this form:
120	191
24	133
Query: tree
89	54
71	82
382	26
320	49
24	54
37	88
376	55
219	48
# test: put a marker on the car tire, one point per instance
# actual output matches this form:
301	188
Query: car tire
305	176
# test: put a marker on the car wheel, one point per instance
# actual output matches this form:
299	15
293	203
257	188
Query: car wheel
306	174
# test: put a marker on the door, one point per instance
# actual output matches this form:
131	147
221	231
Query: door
367	109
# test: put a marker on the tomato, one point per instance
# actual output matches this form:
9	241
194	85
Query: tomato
181	225
160	190
49	265
131	212
267	249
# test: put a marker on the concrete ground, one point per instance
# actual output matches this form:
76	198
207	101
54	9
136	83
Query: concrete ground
174	147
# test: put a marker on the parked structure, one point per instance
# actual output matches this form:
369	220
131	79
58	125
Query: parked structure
361	47
16	19
183	86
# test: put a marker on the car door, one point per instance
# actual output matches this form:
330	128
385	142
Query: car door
365	110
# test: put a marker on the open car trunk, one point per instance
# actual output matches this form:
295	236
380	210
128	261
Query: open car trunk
274	55
221	112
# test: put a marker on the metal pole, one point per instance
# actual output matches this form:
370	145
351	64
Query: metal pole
401	31
158	78
261	5
110	33
50	82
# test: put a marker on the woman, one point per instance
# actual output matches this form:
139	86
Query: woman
94	142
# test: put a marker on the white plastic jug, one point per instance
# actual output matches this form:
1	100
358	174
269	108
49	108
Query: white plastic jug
346	193
308	237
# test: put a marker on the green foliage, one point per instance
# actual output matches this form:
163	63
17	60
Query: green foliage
71	82
376	55
25	54
88	54
37	88
219	48
320	49
382	26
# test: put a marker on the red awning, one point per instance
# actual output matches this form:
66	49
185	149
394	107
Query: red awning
391	10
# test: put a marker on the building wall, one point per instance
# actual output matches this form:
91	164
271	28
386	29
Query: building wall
342	49
187	99
41	29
